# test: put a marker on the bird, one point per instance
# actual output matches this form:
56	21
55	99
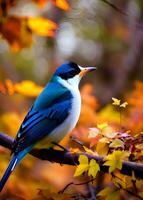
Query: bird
54	113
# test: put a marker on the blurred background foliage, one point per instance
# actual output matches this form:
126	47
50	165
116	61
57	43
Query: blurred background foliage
36	36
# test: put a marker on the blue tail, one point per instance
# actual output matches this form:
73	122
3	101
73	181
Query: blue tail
14	161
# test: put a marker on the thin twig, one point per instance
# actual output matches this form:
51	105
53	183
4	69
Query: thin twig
72	183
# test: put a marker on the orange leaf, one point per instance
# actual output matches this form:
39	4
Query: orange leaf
41	3
63	4
42	27
15	31
10	86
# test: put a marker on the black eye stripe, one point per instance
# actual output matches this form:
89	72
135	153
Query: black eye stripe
73	70
68	75
68	70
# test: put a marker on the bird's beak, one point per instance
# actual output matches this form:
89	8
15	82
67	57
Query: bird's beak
85	70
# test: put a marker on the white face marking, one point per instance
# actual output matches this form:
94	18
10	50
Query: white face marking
81	68
74	81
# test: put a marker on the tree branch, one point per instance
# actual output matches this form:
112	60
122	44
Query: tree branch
65	157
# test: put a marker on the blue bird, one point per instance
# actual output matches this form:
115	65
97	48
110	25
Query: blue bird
54	113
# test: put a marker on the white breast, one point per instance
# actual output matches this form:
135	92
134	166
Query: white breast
59	133
70	122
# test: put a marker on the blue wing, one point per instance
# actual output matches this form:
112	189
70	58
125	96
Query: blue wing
40	122
49	110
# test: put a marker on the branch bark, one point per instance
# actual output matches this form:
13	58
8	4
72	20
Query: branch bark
65	157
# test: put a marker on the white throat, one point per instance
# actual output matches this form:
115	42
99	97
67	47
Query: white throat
71	83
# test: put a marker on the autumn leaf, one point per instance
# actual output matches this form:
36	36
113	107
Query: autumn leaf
110	193
83	165
115	195
102	148
28	88
63	4
89	151
124	105
41	3
110	134
21	29
93	168
116	101
19	37
117	143
139	146
93	132
95	140
102	125
42	26
104	140
9	86
74	150
114	160
106	191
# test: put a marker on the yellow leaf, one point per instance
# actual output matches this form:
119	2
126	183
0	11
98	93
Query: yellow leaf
104	140
74	150
42	26
139	146
114	160
115	195
117	143
116	102
89	151
105	192
102	125
63	4
93	168
83	165
119	182
110	134
110	194
102	148
28	88
139	184
93	132
123	105
141	194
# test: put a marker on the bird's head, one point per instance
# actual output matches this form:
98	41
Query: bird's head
72	73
